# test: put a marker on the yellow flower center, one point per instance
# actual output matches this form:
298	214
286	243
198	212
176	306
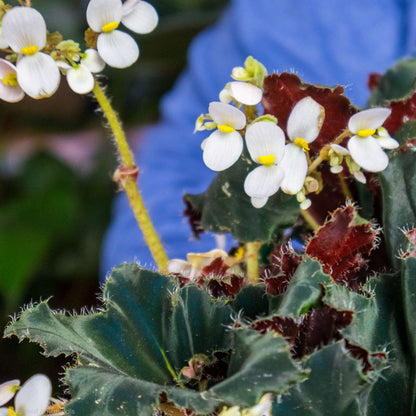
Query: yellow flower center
302	143
267	160
29	50
225	129
366	132
10	79
11	411
109	27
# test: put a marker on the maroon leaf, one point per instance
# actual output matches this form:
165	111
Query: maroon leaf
283	91
277	275
373	81
341	244
401	111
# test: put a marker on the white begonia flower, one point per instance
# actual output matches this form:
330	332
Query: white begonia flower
8	390
32	399
10	89
369	140
242	92
24	29
79	77
266	145
117	48
224	146
303	126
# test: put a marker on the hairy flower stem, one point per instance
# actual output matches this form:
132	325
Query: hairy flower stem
323	154
252	261
344	186
129	182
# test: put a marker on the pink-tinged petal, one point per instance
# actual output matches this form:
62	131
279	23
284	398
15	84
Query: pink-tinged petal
258	202
370	119
263	181
23	27
102	12
8	390
295	166
117	49
8	92
366	153
305	120
38	75
93	61
33	398
80	79
226	114
139	16
245	93
222	150
265	138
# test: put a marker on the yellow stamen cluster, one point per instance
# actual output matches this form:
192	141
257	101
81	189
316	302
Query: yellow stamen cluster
267	160
11	411
366	132
109	27
29	50
10	79
302	143
225	129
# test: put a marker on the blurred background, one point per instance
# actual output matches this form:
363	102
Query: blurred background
56	162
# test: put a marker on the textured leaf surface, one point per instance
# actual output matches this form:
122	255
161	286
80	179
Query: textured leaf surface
304	290
333	388
225	208
131	352
399	194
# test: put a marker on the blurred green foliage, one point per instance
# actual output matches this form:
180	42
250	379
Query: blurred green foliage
52	218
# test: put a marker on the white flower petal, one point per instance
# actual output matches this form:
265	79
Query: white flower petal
80	79
295	166
3	42
102	12
140	17
245	93
38	75
336	169
222	150
258	202
9	93
93	61
366	153
371	119
4	411
226	114
33	398
360	177
387	142
225	96
179	266
305	120
263	181
340	150
117	49
8	390
23	27
306	204
265	138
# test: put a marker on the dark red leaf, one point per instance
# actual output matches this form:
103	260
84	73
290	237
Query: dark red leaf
283	91
373	81
341	244
401	111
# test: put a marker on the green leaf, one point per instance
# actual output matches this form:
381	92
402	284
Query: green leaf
131	352
304	290
225	207
399	195
334	387
378	326
396	83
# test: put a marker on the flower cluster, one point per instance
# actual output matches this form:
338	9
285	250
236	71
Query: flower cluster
36	65
283	159
31	399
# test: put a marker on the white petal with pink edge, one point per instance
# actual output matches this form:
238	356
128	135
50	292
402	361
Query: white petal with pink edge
10	90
